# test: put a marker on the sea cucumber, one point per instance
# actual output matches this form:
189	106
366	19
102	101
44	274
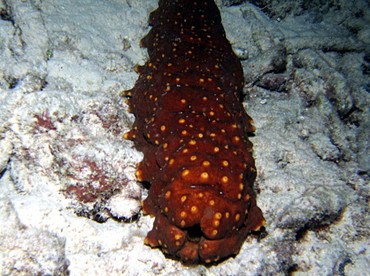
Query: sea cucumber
193	130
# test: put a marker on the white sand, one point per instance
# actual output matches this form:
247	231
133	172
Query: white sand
62	66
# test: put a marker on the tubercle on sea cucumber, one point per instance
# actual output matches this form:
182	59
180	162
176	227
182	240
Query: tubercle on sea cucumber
193	130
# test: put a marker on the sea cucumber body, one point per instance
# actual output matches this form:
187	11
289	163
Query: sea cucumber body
193	131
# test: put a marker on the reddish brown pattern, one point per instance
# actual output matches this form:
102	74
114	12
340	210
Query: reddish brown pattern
44	122
192	129
96	185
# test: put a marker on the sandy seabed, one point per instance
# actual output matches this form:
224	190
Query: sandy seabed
69	202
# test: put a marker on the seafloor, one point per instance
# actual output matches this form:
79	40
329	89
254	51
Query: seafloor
69	200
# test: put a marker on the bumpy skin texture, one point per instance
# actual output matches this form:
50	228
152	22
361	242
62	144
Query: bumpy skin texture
192	129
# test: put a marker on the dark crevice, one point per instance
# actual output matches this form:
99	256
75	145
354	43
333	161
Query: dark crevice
96	214
127	220
44	84
293	268
300	233
13	82
5	169
101	214
2	173
341	267
349	118
260	234
6	15
98	217
145	184
194	233
318	224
